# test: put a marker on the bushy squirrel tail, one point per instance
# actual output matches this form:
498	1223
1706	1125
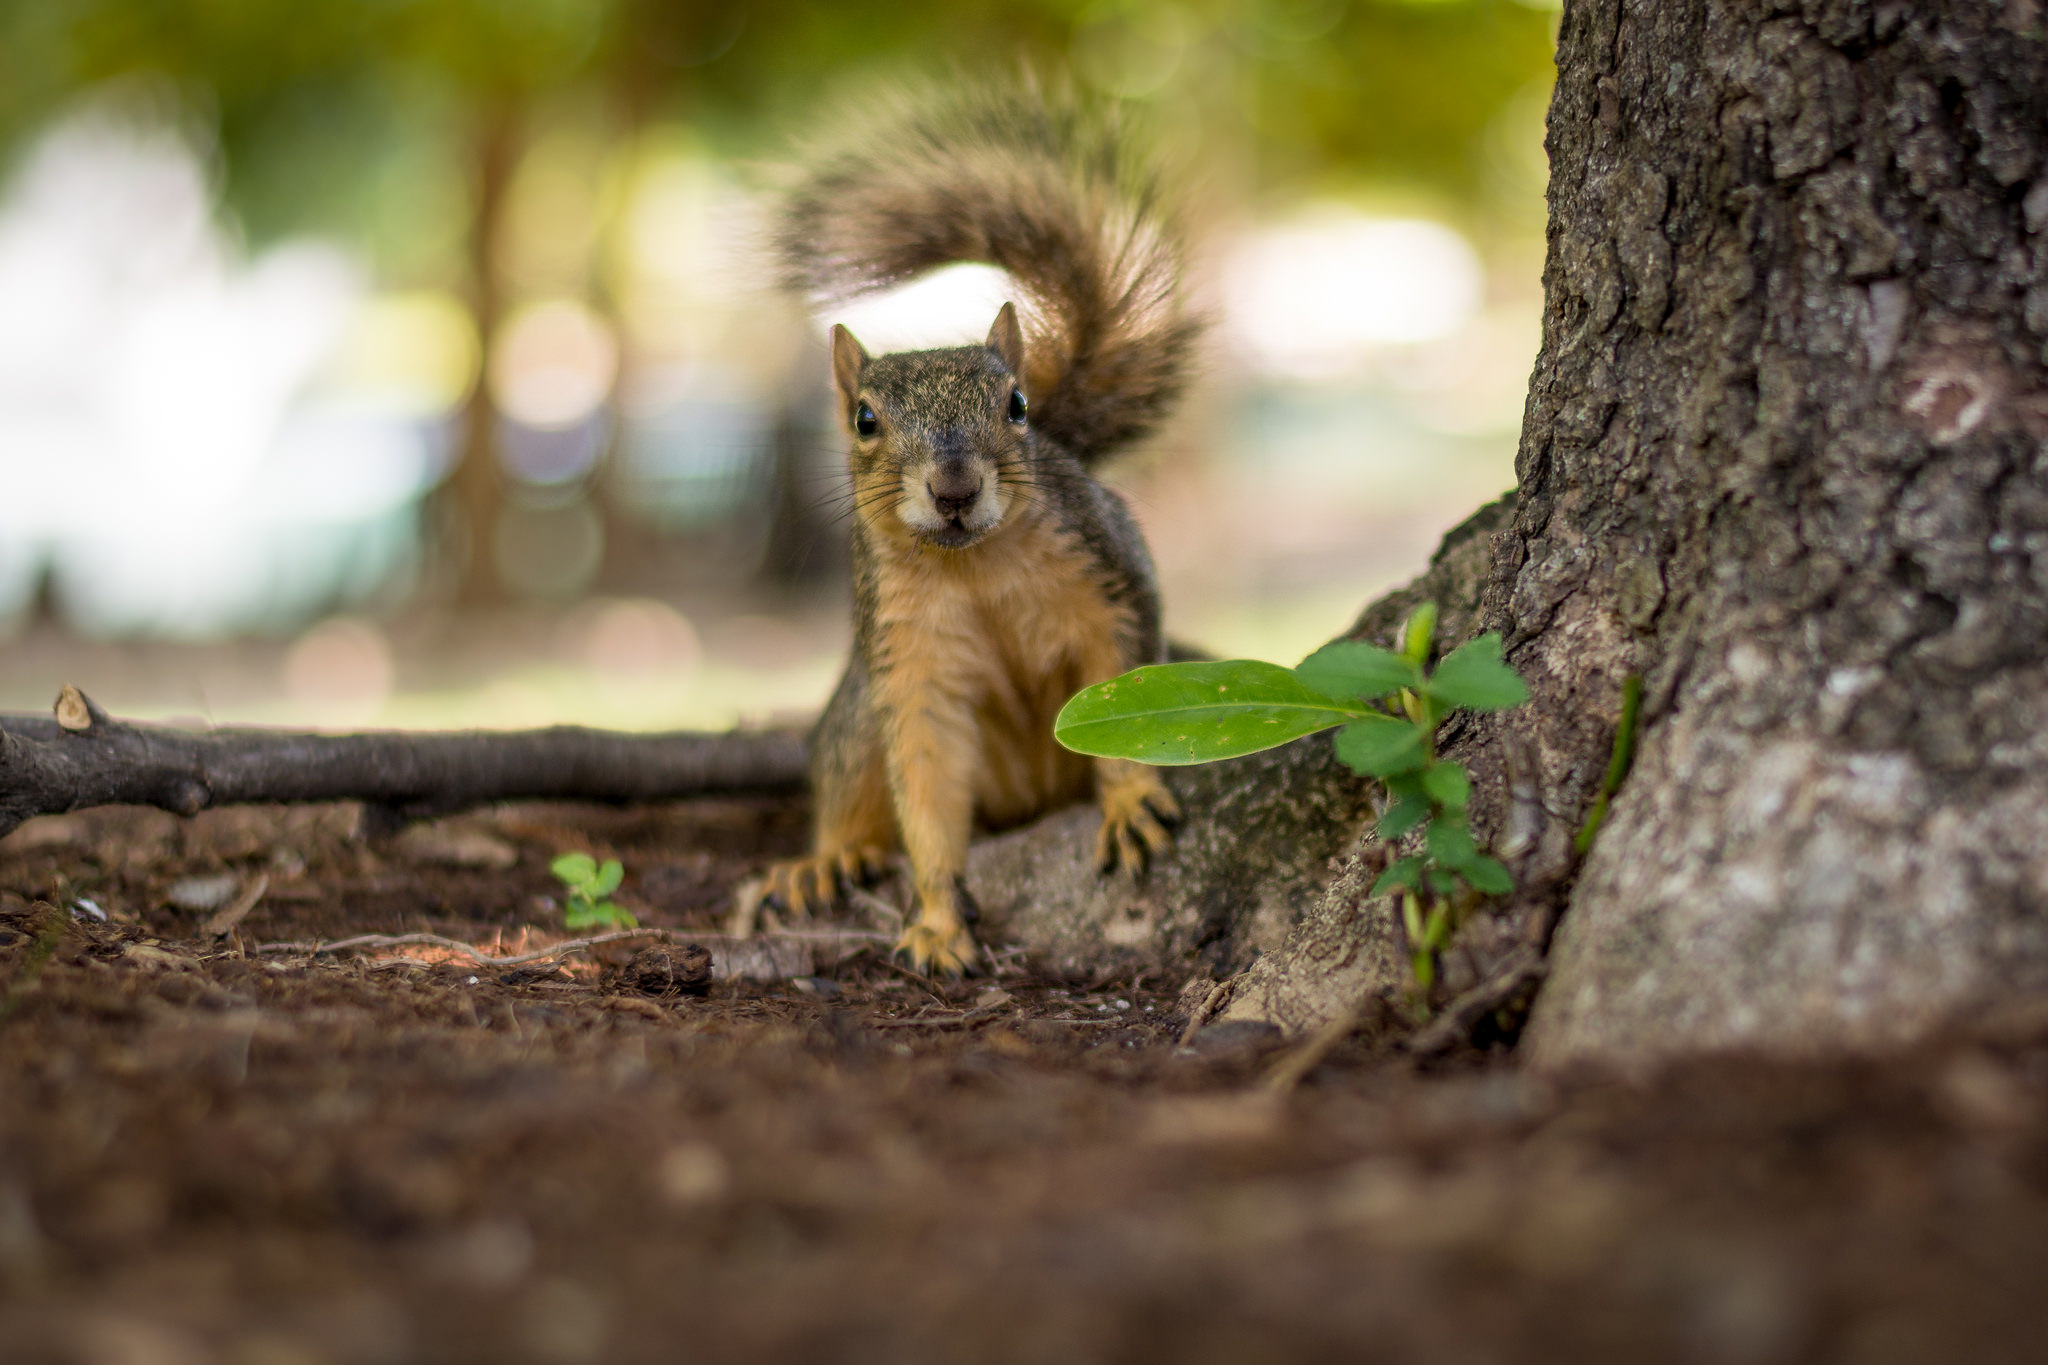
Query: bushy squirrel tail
1042	188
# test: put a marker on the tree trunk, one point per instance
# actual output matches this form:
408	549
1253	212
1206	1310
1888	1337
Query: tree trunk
1783	456
475	492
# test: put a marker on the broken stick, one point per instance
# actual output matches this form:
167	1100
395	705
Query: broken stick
83	757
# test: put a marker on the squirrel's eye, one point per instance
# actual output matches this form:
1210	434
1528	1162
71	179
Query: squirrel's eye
1016	405
864	420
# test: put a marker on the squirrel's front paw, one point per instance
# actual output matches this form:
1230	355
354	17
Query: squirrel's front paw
936	950
807	886
939	942
1137	815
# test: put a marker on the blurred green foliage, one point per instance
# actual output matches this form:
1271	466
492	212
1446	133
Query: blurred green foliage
362	117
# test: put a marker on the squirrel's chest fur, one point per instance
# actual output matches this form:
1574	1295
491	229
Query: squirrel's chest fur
992	641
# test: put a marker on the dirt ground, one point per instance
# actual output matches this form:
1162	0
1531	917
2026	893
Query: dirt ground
239	1150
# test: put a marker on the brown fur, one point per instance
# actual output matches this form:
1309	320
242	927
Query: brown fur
993	576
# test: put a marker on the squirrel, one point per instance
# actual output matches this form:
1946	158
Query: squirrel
993	575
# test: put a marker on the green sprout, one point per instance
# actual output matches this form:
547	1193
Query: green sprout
589	886
1618	763
1386	707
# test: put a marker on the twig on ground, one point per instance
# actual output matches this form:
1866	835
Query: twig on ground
235	911
929	986
365	942
1212	1004
964	1019
1455	1023
829	935
1287	1073
368	941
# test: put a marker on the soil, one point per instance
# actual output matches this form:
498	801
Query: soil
236	1149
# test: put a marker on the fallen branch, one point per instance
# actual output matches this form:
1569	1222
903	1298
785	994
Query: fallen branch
82	757
964	1020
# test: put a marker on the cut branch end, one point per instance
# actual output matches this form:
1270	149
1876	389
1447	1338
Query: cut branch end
74	712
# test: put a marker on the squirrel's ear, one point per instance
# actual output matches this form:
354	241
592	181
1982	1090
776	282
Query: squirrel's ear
849	358
1006	339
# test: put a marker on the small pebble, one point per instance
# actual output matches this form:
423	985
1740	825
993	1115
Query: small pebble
202	893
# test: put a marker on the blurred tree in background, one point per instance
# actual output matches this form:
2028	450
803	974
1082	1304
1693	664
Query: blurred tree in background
403	126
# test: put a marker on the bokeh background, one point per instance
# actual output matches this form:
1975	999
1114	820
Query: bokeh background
412	362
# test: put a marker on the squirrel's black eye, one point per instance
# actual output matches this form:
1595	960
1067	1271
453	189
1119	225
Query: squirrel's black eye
1017	405
864	420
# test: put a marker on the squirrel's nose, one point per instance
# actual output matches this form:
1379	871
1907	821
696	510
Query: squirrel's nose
953	493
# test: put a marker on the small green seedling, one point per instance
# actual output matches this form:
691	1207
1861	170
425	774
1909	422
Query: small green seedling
590	887
1389	704
1619	761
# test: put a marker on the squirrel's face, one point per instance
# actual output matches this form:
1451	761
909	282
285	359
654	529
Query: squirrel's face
938	436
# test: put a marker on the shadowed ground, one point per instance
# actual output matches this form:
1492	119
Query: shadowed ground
213	1152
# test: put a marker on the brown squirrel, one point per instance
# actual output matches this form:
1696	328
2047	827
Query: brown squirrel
993	575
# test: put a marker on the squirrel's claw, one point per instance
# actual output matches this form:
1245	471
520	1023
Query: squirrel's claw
1137	821
939	943
808	886
935	950
861	865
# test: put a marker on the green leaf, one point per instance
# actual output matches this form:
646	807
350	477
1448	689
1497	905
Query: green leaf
1442	882
1405	872
1171	714
1447	785
1350	669
608	878
584	913
1418	632
1450	843
1379	746
574	868
1405	786
1402	816
1488	876
1473	676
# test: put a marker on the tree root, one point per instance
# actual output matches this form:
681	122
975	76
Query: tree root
83	757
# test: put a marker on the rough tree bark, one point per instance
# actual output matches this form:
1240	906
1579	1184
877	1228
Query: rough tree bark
1783	456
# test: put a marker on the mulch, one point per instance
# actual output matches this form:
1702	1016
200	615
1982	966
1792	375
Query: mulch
217	1148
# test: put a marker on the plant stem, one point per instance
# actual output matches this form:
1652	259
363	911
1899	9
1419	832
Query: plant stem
1618	763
